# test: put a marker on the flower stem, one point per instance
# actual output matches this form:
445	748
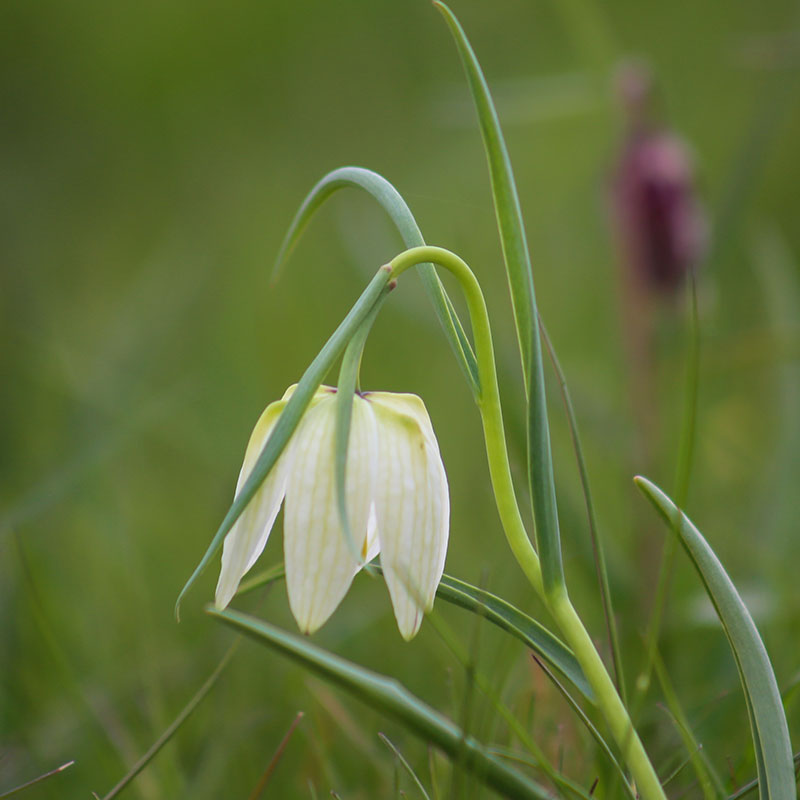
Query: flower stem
617	717
557	599
488	400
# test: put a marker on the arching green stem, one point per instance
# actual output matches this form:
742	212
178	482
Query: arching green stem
488	400
558	602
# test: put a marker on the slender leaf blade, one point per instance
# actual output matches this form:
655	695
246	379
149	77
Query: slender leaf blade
523	627
523	299
345	391
290	417
504	192
391	698
763	698
492	608
398	211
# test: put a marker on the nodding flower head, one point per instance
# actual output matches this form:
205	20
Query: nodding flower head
397	505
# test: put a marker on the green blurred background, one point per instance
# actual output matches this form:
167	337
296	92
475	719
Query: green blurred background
152	155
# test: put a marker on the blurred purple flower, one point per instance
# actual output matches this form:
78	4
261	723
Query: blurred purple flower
660	224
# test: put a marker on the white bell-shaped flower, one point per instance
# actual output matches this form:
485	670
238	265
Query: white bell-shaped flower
397	503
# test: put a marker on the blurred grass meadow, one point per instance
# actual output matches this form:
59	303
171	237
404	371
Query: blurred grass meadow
153	155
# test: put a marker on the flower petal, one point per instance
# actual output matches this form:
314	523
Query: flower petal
412	506
319	563
248	536
372	545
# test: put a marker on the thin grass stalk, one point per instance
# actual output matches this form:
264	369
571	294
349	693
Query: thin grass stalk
519	730
404	763
709	780
38	779
276	757
682	481
185	713
582	716
752	785
491	608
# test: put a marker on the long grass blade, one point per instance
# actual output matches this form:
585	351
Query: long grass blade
768	720
710	782
523	627
406	766
36	780
185	713
398	211
389	697
476	676
492	608
523	300
290	417
276	757
590	726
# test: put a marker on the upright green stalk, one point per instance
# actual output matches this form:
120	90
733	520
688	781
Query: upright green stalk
557	600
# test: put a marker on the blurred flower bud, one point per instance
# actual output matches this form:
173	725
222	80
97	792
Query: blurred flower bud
659	222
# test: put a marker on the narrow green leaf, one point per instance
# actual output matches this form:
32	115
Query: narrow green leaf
767	717
398	211
389	697
523	627
290	416
504	192
492	608
523	300
753	785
